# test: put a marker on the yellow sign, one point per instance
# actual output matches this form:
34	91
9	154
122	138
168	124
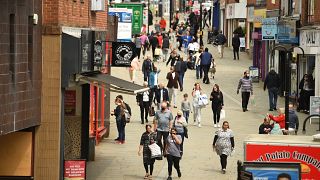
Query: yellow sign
259	14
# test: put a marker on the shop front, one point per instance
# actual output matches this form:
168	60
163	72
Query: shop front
235	18
310	63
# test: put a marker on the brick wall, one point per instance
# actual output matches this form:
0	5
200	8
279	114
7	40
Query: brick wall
73	13
304	14
271	6
20	65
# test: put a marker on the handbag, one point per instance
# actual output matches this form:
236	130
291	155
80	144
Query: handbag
222	114
151	111
155	150
185	129
203	100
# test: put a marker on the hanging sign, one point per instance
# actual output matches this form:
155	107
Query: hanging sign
269	28
123	53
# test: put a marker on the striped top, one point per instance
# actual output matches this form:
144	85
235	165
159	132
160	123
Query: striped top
245	84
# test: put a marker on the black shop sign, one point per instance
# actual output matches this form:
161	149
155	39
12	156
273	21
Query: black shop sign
123	53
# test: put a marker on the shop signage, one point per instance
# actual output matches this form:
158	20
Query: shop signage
74	170
123	53
222	4
308	156
230	10
137	15
259	14
124	22
70	103
250	16
269	28
310	38
287	32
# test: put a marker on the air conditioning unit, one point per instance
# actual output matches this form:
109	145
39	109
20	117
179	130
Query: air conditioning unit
97	5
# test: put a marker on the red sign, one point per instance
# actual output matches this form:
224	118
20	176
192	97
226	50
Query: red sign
308	156
75	170
70	102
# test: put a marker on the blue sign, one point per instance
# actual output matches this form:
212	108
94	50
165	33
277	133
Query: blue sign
287	32
272	173
124	22
269	28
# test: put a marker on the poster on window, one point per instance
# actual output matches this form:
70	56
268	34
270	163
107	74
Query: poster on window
70	103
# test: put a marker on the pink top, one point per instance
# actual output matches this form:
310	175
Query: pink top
143	39
135	64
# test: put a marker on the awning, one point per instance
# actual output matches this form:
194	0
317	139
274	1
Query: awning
115	84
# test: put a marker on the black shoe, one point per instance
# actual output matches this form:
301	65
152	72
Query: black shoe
208	82
142	122
179	174
270	109
181	89
169	178
147	121
117	139
244	110
275	109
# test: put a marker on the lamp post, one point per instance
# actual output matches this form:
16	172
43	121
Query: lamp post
288	52
170	13
148	16
201	34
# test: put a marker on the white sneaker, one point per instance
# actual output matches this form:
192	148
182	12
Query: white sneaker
219	125
215	125
199	125
195	123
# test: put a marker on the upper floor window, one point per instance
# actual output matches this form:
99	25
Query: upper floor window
310	15
261	3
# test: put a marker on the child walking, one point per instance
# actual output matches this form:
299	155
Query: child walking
185	107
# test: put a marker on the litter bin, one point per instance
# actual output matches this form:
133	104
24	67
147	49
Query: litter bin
92	150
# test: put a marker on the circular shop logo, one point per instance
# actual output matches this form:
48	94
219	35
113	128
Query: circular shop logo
124	54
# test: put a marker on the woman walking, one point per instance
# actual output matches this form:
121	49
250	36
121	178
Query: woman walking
196	92
223	143
179	123
173	152
217	104
147	138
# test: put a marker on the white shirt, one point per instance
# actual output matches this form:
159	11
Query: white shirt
146	96
173	75
191	47
196	46
161	95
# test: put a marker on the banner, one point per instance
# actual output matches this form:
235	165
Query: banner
308	156
269	28
124	22
123	53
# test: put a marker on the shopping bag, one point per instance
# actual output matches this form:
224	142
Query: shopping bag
155	150
151	111
222	114
203	100
252	101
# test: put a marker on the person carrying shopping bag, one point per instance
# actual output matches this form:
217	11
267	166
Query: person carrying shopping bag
196	93
217	104
223	144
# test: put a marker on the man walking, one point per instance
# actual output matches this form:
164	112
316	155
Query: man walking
144	100
154	43
245	84
146	68
272	82
161	95
162	123
181	67
220	40
173	79
205	62
236	46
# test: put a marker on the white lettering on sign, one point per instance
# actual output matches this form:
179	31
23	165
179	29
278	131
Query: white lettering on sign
310	38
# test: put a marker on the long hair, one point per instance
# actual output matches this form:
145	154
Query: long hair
217	86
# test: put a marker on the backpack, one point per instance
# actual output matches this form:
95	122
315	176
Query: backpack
126	113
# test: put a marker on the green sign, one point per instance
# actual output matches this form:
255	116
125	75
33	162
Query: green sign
137	15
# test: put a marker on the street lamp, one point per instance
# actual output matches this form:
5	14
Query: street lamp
288	52
201	34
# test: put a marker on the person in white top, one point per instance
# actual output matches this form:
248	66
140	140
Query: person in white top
196	92
144	100
190	48
134	67
197	64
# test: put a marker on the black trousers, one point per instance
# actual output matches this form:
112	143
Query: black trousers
153	50
144	110
145	47
236	53
146	166
175	161
205	69
162	137
223	161
216	115
245	99
138	51
180	43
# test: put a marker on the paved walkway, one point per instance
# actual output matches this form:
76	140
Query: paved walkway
115	161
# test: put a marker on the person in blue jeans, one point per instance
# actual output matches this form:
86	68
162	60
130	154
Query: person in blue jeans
186	107
272	82
120	121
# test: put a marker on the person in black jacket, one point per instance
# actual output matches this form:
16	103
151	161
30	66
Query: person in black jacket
154	43
217	104
118	113
306	87
174	57
165	47
146	68
265	127
161	95
181	67
272	82
144	100
236	46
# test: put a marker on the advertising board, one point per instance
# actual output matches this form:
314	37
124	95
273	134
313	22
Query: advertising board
124	22
74	170
308	156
